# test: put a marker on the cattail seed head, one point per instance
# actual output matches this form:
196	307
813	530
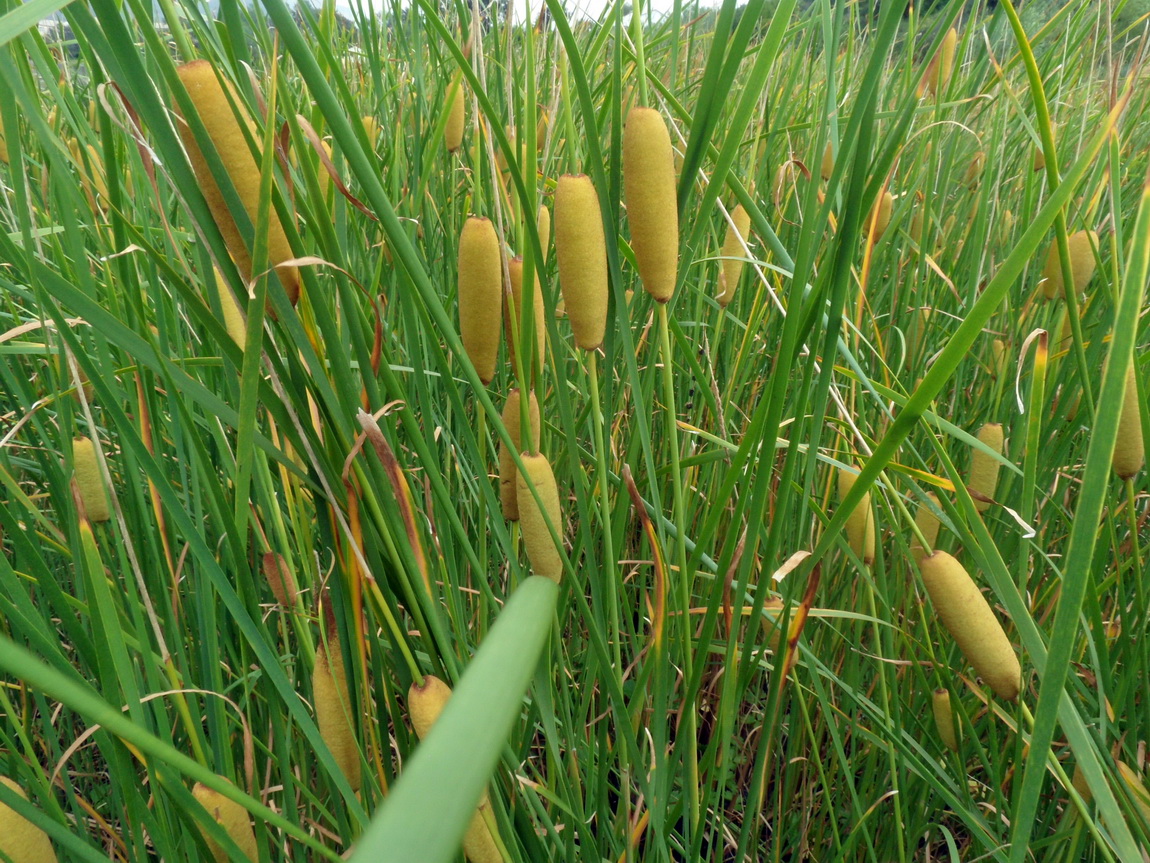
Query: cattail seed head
541	549
333	709
652	205
227	136
20	839
1081	245
456	114
938	71
543	225
515	272
90	482
972	623
738	229
828	166
984	467
279	578
1129	454
879	219
944	719
480	294
232	817
860	526
233	314
508	497
581	251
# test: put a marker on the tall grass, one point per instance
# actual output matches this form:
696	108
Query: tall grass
645	707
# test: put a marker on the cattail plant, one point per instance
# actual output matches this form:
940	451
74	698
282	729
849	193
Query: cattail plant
425	703
944	719
581	252
860	526
541	548
508	496
938	71
21	840
984	467
515	272
89	480
652	206
972	623
738	229
828	164
279	578
233	314
333	709
456	114
543	225
233	818
1081	245
213	105
1128	448
879	219
480	295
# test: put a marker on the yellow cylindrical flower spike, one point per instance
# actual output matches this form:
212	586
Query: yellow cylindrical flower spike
581	251
543	225
1001	363
984	467
828	166
424	704
507	489
1128	448
370	128
734	253
480	295
938	71
972	623
20	839
93	493
333	709
233	314
541	549
233	818
928	525
279	578
944	719
456	114
974	170
879	219
515	271
1081	245
227	136
652	205
860	525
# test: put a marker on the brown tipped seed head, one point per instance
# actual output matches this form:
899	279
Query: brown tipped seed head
944	719
650	194
860	525
928	525
93	493
543	225
480	295
879	219
541	549
581	251
1129	454
828	165
515	272
227	136
20	839
984	467
733	254
972	623
1081	245
233	315
456	114
508	498
333	708
279	578
233	818
425	703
